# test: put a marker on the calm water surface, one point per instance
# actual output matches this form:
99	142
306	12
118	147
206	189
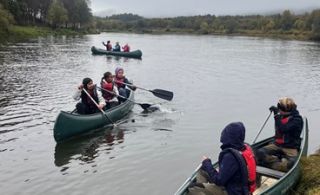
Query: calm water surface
215	80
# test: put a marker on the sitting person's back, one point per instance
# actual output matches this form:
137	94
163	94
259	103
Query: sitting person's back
233	177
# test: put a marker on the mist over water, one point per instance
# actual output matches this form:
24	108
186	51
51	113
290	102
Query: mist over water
215	79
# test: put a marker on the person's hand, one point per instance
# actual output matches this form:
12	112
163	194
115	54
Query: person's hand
274	109
80	87
204	158
100	106
134	88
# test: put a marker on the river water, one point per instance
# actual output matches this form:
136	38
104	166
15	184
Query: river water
215	80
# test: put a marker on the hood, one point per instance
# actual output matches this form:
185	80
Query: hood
233	136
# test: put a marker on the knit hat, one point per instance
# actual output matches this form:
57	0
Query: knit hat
117	70
85	82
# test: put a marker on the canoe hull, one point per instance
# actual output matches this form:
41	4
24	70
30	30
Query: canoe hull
68	125
132	54
284	184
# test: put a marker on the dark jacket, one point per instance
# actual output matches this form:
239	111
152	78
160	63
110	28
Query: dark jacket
229	174
289	132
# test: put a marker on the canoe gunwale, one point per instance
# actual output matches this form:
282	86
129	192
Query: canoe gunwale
293	172
63	131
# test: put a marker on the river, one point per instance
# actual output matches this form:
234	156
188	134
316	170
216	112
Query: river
215	80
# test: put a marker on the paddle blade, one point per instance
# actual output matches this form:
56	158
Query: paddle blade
145	106
163	94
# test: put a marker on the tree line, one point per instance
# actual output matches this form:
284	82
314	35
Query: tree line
306	25
55	13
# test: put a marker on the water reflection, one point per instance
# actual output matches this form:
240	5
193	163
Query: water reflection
87	148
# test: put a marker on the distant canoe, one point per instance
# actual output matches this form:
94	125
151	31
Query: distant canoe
68	125
132	54
273	182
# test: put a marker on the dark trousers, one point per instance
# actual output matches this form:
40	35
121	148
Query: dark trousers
123	92
275	157
84	109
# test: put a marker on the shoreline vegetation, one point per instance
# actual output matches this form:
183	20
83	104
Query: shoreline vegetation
310	180
25	19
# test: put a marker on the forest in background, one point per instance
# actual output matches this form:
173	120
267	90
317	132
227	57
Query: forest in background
40	17
305	26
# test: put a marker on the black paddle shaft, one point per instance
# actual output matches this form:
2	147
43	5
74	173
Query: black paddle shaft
160	93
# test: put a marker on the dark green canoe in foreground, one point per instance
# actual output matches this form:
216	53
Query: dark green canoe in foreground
131	54
273	182
68	124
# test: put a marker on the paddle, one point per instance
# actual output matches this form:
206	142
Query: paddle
265	122
163	94
103	112
143	106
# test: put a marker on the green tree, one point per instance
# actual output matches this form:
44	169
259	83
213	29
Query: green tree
5	19
287	20
57	14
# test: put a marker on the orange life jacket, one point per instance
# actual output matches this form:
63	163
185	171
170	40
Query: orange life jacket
248	156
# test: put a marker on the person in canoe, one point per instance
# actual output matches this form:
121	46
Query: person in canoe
110	91
108	46
282	152
126	48
86	105
121	81
237	167
117	47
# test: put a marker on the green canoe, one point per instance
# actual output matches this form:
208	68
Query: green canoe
68	124
273	182
132	54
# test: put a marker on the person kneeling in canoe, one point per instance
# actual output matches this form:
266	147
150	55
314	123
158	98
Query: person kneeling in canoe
108	45
121	81
282	152
109	90
117	47
237	167
87	106
126	48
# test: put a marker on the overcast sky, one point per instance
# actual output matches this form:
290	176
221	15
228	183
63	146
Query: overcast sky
169	8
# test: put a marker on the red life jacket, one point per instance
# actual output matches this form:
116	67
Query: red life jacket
248	156
119	82
279	136
106	95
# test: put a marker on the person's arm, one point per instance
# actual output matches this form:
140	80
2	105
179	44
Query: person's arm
226	171
101	99
292	125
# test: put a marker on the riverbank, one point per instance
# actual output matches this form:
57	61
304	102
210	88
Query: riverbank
276	34
310	180
20	33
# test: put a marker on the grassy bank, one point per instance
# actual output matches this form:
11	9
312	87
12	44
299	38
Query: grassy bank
310	180
20	33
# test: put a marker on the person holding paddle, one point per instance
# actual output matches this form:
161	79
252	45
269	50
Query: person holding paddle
121	81
110	92
108	45
282	152
87	105
237	167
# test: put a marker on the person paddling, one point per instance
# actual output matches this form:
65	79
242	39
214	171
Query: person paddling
86	105
108	45
120	81
126	48
117	47
111	91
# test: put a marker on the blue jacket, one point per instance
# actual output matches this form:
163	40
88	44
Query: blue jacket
229	174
